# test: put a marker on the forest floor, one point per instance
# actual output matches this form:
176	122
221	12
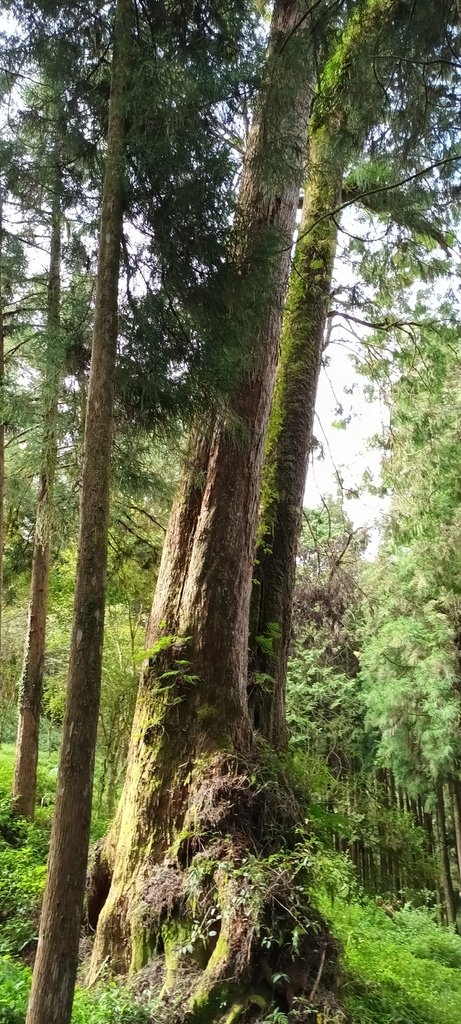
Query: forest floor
398	966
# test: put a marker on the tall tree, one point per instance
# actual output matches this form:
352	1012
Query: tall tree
2	425
343	121
57	955
192	711
31	683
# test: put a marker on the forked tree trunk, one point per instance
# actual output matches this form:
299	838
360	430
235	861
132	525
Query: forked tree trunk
55	968
31	683
444	857
192	709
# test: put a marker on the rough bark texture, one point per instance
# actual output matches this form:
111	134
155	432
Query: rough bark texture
192	702
444	857
31	684
290	436
57	954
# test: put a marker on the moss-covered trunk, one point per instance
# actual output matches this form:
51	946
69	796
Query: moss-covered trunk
31	683
337	130
57	953
290	435
184	809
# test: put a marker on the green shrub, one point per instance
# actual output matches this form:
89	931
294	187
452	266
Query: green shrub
22	879
104	1005
13	830
386	979
425	940
14	990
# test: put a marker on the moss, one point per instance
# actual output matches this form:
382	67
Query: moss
206	712
215	1002
142	948
176	936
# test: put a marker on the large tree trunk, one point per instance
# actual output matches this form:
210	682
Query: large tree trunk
290	436
31	683
57	954
183	778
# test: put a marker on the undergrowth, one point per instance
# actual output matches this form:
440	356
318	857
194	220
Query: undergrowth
23	854
398	967
105	1005
403	969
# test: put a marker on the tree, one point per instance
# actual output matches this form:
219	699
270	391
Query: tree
343	122
31	685
191	721
70	836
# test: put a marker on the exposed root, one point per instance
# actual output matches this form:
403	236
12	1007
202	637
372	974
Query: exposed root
222	929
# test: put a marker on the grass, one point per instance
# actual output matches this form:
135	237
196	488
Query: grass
399	970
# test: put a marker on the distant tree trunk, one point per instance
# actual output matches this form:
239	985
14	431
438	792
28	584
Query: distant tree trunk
2	432
57	954
444	857
455	793
290	436
192	711
31	683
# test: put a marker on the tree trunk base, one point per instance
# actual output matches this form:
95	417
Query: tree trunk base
223	928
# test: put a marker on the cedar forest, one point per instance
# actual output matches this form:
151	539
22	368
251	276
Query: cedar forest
230	727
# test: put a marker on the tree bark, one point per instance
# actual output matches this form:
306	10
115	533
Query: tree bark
31	684
444	857
192	708
290	436
57	954
2	432
292	415
455	792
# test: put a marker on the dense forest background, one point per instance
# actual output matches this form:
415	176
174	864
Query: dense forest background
229	715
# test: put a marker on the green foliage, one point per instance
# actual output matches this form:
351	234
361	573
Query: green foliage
104	1005
23	850
14	991
399	970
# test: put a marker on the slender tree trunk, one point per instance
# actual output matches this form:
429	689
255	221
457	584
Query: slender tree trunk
455	794
31	684
455	790
292	415
290	436
2	432
201	608
444	857
57	954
